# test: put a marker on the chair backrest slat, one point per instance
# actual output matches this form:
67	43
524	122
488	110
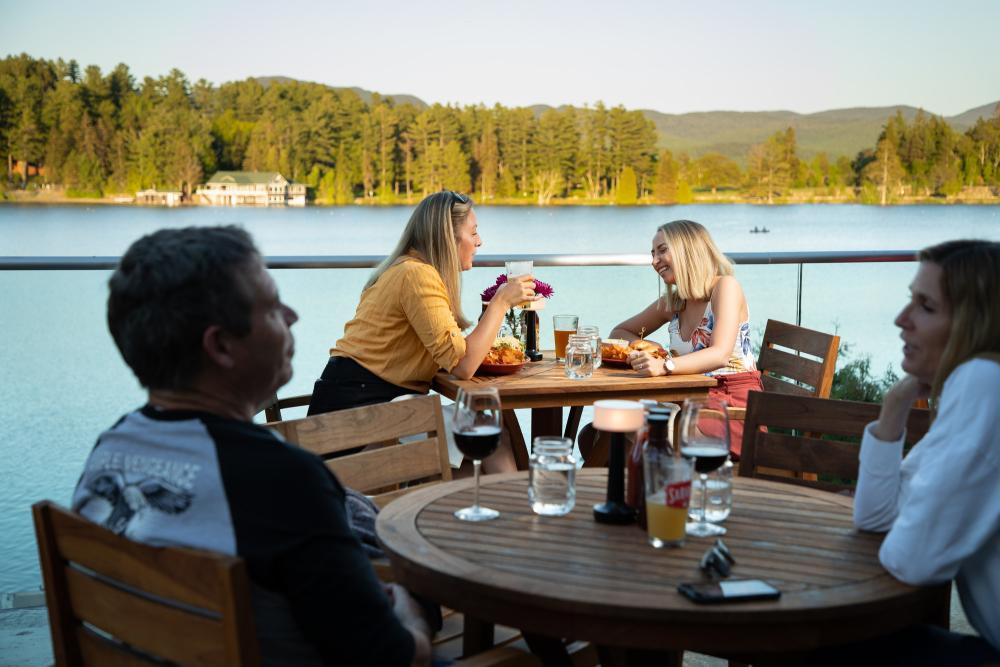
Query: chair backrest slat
174	604
777	386
418	422
140	621
383	467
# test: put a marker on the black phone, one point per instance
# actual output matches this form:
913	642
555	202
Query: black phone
733	590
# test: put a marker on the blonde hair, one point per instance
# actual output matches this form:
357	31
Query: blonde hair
970	282
697	261
432	232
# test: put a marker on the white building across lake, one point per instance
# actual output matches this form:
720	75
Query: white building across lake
250	188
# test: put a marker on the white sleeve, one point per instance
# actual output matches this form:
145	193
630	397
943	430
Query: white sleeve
951	503
877	495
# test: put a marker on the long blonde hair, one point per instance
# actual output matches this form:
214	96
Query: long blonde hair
970	281
431	233
697	261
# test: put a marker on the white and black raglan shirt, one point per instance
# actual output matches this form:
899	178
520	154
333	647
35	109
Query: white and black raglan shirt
181	478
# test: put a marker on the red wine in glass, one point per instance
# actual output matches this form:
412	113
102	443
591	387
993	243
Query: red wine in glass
706	458
478	442
476	427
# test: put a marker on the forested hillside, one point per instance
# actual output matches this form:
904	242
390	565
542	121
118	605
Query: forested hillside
95	133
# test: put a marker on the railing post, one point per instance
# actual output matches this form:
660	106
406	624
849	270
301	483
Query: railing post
798	300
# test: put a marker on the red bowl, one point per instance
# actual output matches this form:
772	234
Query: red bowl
499	369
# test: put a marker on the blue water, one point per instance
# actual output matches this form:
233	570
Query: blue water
63	381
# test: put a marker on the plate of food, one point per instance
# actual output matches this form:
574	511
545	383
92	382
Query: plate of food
506	356
615	351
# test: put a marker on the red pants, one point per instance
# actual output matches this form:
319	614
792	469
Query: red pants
733	388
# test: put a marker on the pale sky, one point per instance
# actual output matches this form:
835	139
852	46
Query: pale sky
645	54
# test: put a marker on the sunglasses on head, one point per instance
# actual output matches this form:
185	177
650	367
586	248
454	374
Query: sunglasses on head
457	197
718	561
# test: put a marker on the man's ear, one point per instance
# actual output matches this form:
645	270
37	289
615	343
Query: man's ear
216	343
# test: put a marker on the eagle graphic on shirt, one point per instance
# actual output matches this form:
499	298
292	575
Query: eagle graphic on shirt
129	500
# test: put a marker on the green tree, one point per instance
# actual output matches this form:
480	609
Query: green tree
714	170
885	172
667	175
627	192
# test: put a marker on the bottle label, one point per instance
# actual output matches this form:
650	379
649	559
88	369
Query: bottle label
679	494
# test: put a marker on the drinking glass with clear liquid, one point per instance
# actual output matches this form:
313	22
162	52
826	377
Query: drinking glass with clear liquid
595	341
476	427
519	268
719	499
552	476
705	441
579	357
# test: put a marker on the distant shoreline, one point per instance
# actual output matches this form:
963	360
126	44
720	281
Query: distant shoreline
803	196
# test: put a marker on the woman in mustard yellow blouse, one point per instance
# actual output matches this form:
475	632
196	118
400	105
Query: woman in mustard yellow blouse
409	322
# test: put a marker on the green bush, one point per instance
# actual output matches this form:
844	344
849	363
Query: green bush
854	381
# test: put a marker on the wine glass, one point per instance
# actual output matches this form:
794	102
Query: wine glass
705	438
476	427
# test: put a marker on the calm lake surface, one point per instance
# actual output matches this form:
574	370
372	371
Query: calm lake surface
63	381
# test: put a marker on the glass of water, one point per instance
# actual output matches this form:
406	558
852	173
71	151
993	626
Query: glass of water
719	501
595	341
579	357
552	476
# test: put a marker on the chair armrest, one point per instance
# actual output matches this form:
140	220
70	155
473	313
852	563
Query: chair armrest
739	414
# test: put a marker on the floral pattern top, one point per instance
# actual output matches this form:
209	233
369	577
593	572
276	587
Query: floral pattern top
740	360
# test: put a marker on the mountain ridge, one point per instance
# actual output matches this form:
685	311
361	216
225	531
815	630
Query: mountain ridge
836	132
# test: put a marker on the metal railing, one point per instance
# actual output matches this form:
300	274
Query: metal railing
105	263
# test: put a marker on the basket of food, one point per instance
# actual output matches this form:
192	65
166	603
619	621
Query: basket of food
506	356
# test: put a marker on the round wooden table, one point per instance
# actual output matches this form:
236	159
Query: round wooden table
572	577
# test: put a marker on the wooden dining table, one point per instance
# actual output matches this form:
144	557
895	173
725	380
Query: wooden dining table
543	387
571	577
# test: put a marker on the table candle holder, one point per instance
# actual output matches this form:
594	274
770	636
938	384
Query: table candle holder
617	418
531	336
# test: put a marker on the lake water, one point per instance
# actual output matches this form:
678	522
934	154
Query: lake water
63	381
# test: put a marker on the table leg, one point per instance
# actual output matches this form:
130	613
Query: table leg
517	445
573	421
477	636
546	421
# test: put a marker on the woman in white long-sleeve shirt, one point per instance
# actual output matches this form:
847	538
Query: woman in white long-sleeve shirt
941	504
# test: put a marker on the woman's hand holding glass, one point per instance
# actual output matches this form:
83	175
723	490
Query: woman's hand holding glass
516	291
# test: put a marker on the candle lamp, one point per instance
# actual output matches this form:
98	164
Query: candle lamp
617	418
531	337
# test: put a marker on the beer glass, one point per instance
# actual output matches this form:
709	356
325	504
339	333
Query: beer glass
562	327
520	268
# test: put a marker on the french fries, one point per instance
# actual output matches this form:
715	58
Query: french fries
506	350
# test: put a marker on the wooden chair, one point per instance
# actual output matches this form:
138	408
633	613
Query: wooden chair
411	463
113	601
809	453
272	411
795	360
331	434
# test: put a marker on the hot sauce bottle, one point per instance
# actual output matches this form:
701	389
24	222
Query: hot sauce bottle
656	437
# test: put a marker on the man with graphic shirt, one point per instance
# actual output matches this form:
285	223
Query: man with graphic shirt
197	318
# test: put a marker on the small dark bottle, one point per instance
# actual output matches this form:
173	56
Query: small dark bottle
656	432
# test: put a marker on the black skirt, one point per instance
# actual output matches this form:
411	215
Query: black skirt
347	384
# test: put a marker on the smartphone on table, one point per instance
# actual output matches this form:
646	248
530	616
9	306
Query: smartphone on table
733	590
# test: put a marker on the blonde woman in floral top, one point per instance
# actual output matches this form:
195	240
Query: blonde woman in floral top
706	313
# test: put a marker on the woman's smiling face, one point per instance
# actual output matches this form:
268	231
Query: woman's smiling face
662	259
